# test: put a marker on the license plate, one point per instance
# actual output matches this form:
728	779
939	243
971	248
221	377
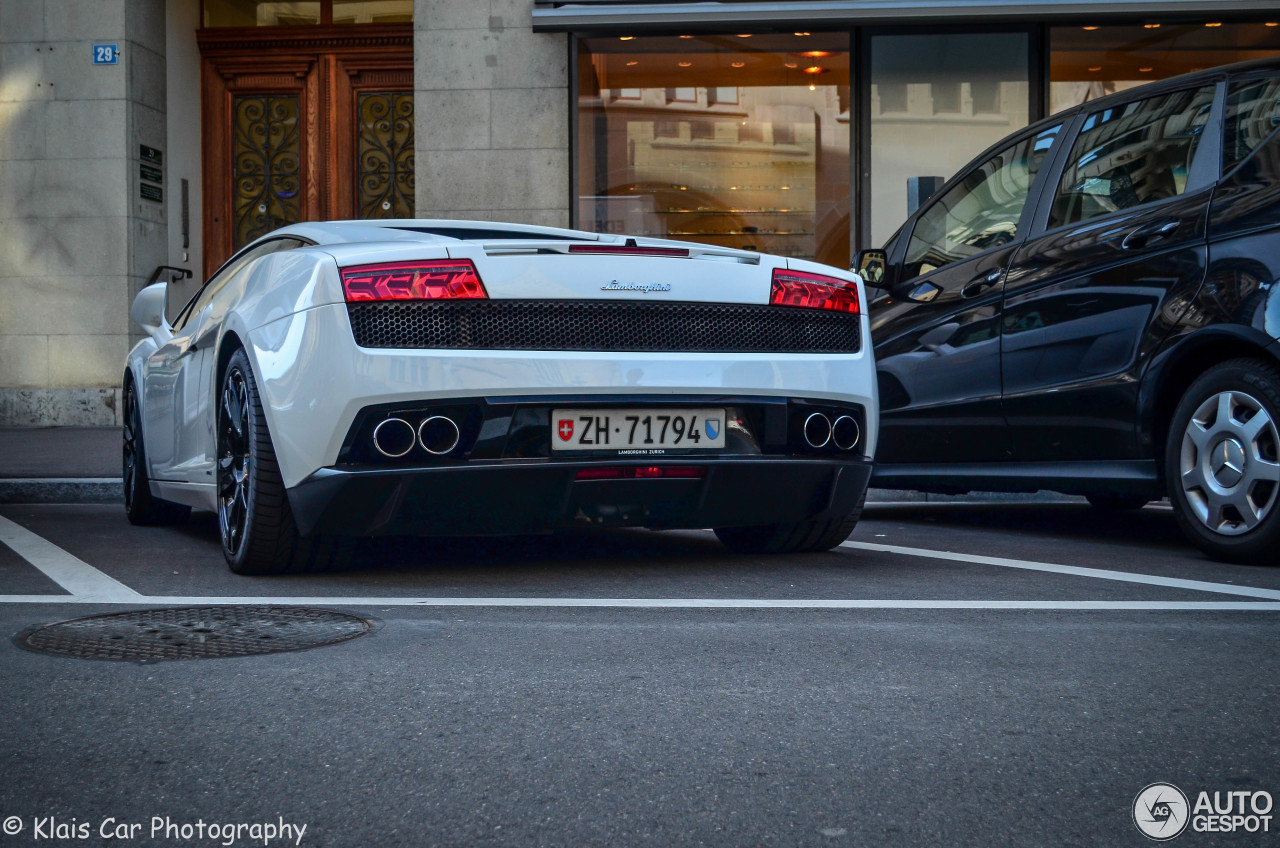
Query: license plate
637	431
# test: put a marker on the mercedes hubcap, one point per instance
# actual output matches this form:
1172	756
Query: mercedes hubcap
1230	468
234	463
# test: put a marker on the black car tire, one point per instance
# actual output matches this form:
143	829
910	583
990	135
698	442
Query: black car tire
140	505
822	534
1110	502
1222	463
255	522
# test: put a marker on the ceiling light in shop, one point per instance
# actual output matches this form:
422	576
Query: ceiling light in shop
737	64
626	38
792	65
686	36
785	188
815	54
815	70
1144	70
632	63
802	34
748	35
1151	26
1272	23
685	64
1214	24
1090	29
1096	68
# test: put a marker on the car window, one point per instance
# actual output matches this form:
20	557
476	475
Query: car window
1253	114
227	271
979	212
1132	154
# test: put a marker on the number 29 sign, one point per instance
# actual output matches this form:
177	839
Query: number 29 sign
106	54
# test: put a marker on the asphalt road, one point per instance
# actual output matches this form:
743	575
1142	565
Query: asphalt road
961	675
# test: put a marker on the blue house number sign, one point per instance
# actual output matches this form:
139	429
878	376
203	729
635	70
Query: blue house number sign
106	54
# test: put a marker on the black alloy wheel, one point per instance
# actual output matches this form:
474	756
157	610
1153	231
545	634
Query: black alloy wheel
821	534
259	534
140	505
235	460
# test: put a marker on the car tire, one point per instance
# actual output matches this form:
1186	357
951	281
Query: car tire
1222	461
255	522
141	507
1110	502
822	534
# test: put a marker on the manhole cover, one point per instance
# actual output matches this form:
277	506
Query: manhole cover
195	633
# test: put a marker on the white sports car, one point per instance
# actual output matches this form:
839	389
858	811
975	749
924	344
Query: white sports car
334	380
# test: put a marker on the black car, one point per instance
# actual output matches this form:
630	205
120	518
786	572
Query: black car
1091	307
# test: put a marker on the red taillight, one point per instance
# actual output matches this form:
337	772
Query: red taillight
648	472
813	291
437	279
629	251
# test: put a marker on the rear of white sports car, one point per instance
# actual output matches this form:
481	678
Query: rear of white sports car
446	378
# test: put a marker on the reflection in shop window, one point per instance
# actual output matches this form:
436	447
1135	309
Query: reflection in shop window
937	101
730	142
1085	64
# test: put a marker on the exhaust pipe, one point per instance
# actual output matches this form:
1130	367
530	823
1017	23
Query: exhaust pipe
393	437
845	433
817	430
438	435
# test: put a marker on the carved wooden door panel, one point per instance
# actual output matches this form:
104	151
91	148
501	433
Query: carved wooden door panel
307	126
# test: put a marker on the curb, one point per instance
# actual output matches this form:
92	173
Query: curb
104	490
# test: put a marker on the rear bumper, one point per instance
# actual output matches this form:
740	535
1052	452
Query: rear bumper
539	496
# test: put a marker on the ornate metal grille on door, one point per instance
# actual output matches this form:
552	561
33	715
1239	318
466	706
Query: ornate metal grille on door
384	178
266	164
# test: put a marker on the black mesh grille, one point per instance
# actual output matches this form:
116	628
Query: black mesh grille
602	325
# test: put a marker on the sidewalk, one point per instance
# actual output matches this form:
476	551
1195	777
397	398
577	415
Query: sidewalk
82	465
60	465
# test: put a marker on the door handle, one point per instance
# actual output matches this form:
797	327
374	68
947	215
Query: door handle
984	281
1148	233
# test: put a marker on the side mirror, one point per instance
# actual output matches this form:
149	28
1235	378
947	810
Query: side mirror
148	308
870	265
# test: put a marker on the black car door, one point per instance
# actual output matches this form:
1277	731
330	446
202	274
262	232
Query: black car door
1117	248
937	330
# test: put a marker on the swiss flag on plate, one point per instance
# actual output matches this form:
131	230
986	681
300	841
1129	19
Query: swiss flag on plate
565	429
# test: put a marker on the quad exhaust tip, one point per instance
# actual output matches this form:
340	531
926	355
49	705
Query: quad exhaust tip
394	437
817	430
438	435
845	433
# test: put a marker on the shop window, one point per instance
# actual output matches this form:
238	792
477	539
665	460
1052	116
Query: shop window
244	13
1087	62
925	127
737	142
1253	114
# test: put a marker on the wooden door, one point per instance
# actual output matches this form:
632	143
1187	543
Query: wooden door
303	124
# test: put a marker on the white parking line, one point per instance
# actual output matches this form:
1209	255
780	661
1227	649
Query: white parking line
1074	570
662	603
88	585
83	581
